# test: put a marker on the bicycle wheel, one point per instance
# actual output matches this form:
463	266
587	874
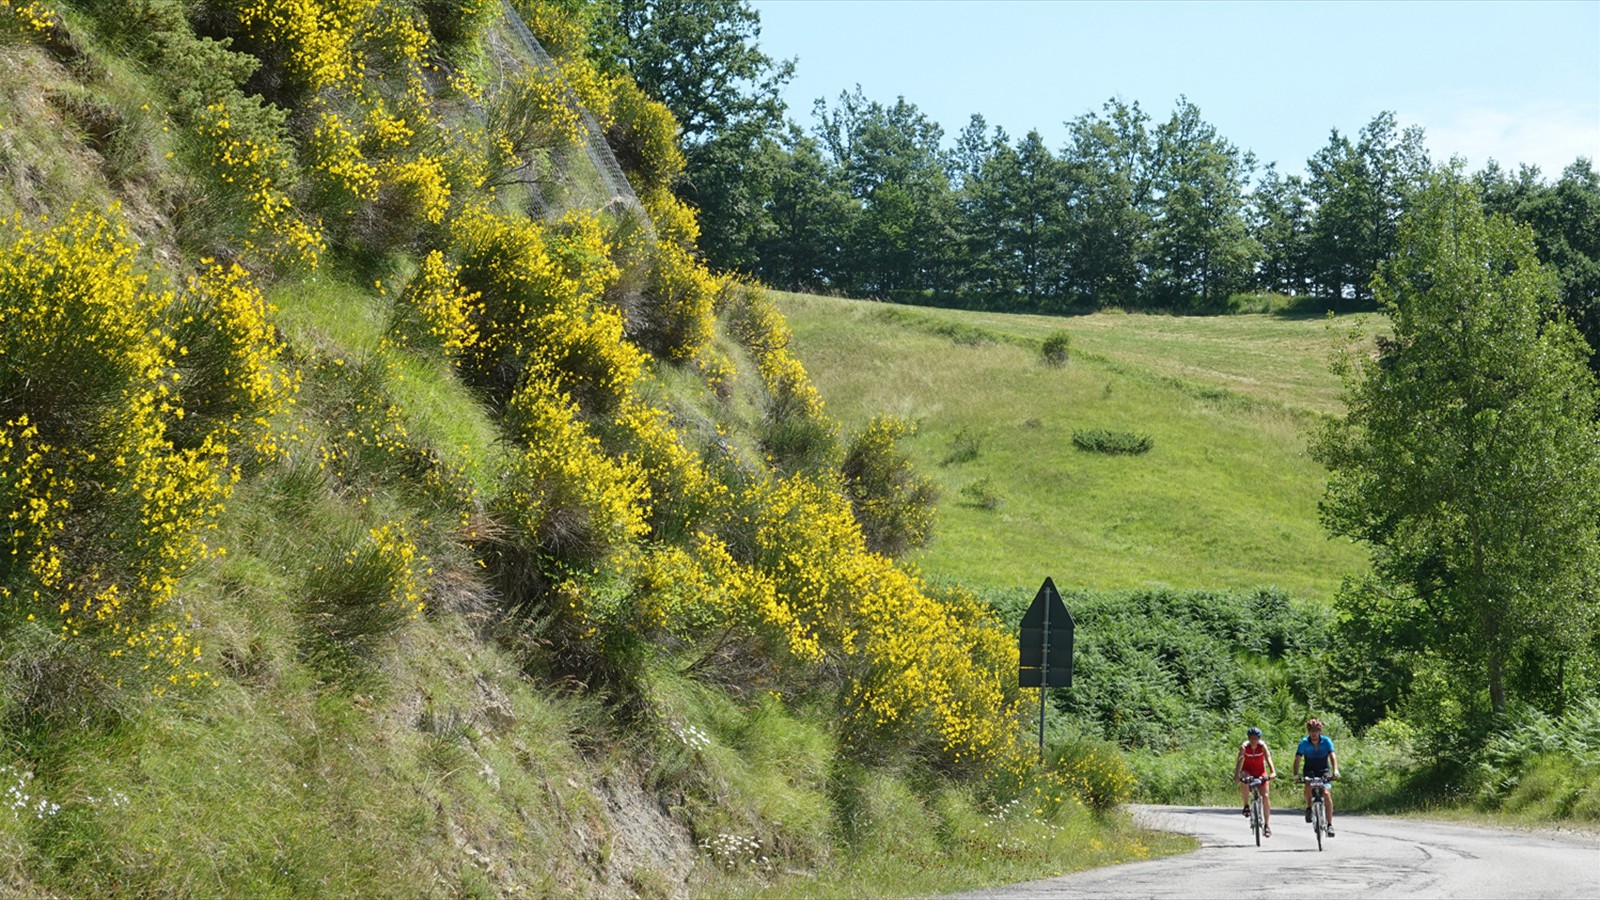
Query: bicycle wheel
1256	816
1319	820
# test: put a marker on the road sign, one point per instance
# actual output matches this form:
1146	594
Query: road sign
1045	642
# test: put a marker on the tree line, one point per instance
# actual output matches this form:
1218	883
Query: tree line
1132	211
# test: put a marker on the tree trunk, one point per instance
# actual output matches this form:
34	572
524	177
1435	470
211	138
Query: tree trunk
1497	682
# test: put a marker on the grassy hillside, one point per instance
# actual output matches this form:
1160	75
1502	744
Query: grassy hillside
1226	497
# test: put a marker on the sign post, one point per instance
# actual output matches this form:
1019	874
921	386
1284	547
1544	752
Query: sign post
1044	647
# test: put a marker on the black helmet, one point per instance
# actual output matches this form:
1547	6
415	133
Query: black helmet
1253	732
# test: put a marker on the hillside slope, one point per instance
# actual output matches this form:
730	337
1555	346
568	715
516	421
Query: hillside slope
393	513
1225	498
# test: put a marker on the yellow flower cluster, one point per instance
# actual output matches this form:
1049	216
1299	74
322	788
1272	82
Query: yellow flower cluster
320	35
103	512
260	175
29	16
646	137
674	221
247	386
434	311
924	669
334	154
533	315
393	546
585	256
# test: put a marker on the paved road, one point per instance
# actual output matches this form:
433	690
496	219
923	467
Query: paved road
1370	857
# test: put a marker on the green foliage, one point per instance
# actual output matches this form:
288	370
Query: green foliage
1099	440
1544	766
893	503
1156	669
1504	389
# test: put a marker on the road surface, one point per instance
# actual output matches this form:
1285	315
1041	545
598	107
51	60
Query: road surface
1370	857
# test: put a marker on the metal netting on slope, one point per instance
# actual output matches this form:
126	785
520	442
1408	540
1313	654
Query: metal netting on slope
609	188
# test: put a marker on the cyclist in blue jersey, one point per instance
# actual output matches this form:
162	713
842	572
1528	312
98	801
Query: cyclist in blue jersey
1316	749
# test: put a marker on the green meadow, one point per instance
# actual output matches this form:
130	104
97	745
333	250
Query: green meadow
1225	498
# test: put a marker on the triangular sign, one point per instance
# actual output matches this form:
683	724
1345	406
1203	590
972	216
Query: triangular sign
1046	634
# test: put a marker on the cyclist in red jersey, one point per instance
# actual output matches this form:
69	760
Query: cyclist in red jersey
1256	760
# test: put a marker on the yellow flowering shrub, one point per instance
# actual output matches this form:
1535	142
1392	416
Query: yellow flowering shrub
675	317
314	39
923	671
337	165
256	174
685	492
693	589
508	264
796	432
645	137
104	512
563	495
27	17
231	383
674	221
533	314
422	187
585	255
434	311
534	111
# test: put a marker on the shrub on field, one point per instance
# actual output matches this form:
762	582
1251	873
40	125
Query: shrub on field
964	447
1056	348
1099	440
981	494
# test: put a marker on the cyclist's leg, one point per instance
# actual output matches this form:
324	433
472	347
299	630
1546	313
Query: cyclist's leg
1244	795
1266	803
1327	803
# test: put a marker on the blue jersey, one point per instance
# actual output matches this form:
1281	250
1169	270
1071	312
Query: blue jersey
1316	755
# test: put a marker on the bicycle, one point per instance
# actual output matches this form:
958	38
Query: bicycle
1319	806
1258	818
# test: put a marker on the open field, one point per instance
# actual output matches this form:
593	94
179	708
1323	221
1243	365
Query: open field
1227	496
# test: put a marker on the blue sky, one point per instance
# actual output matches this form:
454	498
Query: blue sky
1516	81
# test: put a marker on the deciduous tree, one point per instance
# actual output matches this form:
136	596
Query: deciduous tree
1469	458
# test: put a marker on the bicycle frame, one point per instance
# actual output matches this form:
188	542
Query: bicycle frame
1319	806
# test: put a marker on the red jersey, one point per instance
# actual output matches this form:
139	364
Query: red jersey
1255	763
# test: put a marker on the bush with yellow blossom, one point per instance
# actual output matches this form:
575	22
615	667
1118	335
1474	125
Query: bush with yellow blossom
109	492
